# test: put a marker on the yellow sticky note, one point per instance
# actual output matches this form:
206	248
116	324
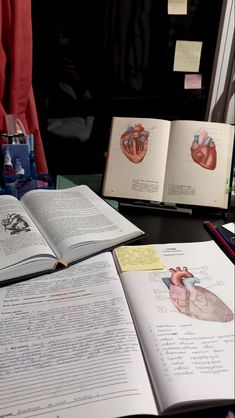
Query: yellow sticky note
187	56
138	257
177	7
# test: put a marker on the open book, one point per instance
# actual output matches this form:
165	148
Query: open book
179	162
72	341
47	227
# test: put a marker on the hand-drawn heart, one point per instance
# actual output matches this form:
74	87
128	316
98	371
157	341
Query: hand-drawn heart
134	143
203	151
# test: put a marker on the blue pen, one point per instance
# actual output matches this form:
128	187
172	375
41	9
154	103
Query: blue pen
220	239
227	235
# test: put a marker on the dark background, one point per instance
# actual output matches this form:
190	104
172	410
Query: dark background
113	58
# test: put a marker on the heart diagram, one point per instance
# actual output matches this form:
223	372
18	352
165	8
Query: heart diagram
134	143
203	150
193	300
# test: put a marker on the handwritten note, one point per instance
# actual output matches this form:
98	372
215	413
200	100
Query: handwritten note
207	354
138	258
177	7
187	56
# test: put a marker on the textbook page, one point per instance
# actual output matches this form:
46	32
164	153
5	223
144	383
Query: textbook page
199	163
20	240
184	315
76	222
68	347
136	162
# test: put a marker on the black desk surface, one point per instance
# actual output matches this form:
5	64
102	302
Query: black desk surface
164	227
167	227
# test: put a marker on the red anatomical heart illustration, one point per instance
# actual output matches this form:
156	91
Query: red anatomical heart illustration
193	300
203	150
134	143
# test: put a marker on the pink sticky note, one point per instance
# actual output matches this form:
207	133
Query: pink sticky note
193	81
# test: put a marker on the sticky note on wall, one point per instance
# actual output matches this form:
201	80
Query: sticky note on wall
187	56
192	81
177	7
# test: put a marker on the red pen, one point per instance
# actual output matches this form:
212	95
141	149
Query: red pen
218	237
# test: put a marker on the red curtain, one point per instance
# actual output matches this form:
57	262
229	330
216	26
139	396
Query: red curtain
16	93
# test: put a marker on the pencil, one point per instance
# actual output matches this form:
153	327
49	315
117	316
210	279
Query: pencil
218	237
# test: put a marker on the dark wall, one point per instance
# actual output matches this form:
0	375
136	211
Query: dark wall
115	57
